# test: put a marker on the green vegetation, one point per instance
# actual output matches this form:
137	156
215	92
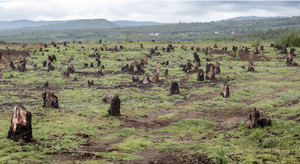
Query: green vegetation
153	124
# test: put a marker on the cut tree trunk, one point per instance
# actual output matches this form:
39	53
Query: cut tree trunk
50	100
115	105
20	125
251	67
200	75
255	120
174	88
225	91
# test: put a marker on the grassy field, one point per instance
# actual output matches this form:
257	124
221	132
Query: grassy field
154	127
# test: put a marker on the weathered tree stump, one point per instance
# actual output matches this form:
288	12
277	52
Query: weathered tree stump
155	77
114	109
135	78
225	90
107	98
210	73
197	59
158	67
200	76
290	61
251	67
166	74
174	88
50	99
22	64
217	68
20	127
145	79
71	69
90	83
255	120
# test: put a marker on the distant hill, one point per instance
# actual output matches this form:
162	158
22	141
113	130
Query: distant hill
79	24
93	30
24	23
126	23
251	18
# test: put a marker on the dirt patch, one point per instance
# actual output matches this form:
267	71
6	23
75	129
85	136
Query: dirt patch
93	145
7	55
173	158
69	156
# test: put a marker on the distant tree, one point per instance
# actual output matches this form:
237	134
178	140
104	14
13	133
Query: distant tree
2	42
290	39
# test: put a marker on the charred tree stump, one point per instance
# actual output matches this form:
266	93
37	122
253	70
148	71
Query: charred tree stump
197	59
20	125
135	78
217	68
290	61
225	91
255	120
107	98
210	72
50	99
166	74
251	67
90	83
145	79
114	109
12	66
22	64
174	88
155	77
200	76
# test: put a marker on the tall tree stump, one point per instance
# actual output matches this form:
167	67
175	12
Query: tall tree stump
114	109
210	72
146	79
200	76
155	77
217	68
20	127
225	90
174	88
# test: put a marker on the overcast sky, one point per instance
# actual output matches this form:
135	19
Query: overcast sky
166	11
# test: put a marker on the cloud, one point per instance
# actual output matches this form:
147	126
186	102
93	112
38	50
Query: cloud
161	11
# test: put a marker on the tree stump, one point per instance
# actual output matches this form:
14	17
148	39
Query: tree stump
255	120
290	61
166	74
225	90
251	67
50	100
210	72
200	75
20	125
22	64
90	83
217	68
107	98
114	109
197	59
155	77
135	78
158	67
174	88
146	79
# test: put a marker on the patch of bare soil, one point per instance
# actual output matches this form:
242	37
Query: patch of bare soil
150	157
